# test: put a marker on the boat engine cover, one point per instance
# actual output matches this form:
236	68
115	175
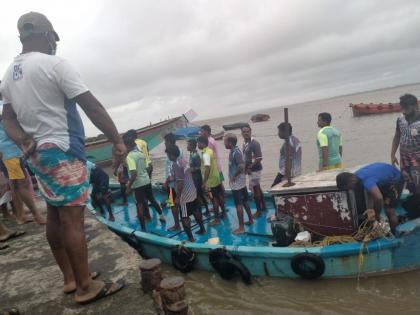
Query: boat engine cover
283	229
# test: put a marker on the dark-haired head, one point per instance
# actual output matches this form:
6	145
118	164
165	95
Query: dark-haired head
346	181
324	119
169	139
230	141
191	144
202	142
284	129
205	130
129	140
409	105
172	152
132	133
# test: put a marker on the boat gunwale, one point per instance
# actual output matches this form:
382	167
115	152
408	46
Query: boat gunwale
330	251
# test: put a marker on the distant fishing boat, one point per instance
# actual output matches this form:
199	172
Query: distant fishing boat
374	109
260	117
313	201
99	151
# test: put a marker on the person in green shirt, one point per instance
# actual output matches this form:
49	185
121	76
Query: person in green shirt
139	181
329	143
211	178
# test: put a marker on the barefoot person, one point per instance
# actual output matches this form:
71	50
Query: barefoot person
195	167
211	177
407	137
139	180
295	153
100	191
206	132
170	184
19	180
329	143
237	181
40	92
186	194
253	166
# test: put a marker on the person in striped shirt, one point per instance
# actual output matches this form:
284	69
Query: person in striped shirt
237	181
186	194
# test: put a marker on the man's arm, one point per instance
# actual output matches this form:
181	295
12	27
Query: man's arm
324	156
206	175
395	145
378	200
341	151
179	190
258	154
100	118
133	176
15	132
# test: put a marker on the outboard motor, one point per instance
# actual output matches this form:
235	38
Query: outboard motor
283	229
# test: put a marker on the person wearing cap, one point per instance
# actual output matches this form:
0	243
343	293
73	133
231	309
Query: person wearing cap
40	92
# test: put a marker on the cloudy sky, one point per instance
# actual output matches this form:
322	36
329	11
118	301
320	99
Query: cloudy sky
146	60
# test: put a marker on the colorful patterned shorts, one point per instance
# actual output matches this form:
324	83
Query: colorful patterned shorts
62	178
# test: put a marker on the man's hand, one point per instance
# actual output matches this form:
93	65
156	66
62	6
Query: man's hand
394	160
28	147
177	200
119	151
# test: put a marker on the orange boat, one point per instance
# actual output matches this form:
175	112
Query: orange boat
363	109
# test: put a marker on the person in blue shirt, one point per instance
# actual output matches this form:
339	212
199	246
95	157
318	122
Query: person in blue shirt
384	184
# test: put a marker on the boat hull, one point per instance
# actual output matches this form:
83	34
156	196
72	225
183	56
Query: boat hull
374	109
379	256
100	152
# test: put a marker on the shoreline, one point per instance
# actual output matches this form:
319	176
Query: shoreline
32	281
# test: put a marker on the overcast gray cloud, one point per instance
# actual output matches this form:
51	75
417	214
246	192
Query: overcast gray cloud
146	60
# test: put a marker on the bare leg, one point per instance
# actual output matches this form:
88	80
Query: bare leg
186	223
140	215
248	212
199	219
175	214
240	213
6	213
107	202
393	219
73	239
21	217
23	188
56	243
4	231
257	198
215	201
222	201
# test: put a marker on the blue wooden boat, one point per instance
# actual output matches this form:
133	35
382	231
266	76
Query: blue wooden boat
254	251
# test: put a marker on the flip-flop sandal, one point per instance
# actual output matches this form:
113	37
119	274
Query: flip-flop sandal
3	246
93	276
109	289
14	235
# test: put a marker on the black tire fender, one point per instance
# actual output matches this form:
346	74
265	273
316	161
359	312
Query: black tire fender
307	265
228	266
183	258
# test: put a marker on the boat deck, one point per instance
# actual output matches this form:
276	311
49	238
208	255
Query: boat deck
258	234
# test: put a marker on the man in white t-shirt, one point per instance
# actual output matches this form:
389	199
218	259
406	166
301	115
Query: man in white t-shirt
40	92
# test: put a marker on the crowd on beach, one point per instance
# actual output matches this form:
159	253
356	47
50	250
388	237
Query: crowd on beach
40	128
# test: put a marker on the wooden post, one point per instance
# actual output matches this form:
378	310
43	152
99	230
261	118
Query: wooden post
287	143
151	275
172	292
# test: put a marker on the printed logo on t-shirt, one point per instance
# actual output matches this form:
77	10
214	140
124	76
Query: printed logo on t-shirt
17	72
